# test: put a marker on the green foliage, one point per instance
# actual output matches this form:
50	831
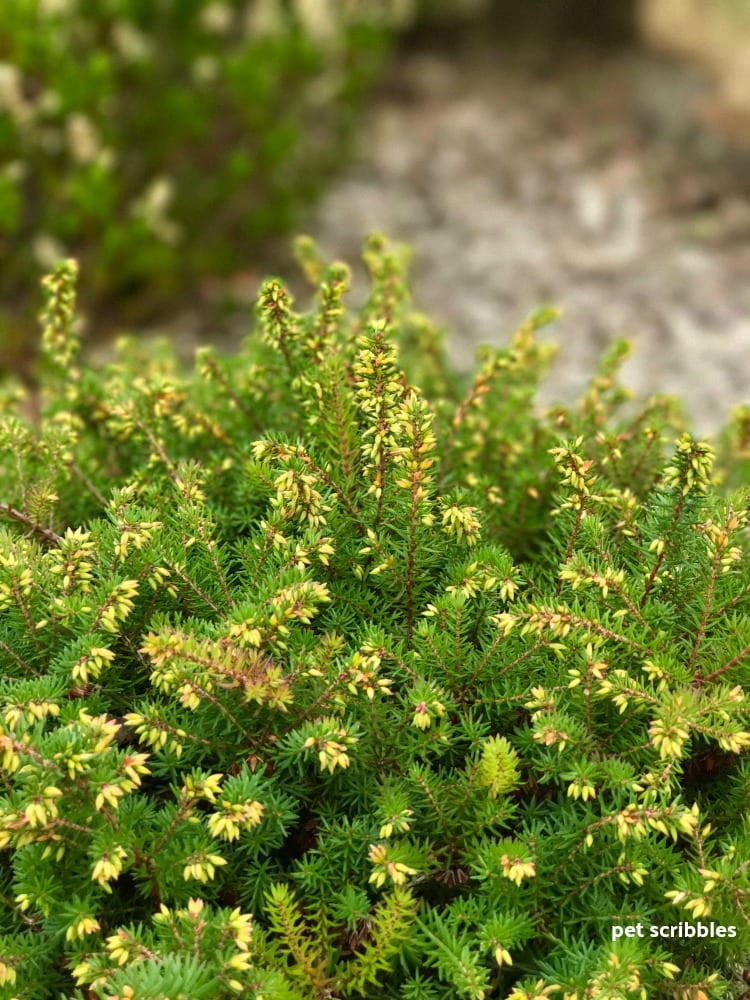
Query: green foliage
157	142
325	674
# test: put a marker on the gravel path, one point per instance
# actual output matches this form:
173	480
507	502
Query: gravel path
585	184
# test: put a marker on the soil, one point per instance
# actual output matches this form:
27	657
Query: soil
578	177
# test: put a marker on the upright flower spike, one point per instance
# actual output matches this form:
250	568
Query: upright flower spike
575	470
330	312
691	466
461	523
498	767
60	343
279	323
416	457
297	497
389	291
378	390
332	743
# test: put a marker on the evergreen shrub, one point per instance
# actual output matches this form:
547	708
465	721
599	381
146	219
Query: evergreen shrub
160	141
326	673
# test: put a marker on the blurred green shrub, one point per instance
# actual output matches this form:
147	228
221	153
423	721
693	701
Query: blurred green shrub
128	125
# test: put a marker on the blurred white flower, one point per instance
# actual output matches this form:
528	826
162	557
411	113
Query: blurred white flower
15	170
205	69
130	42
50	8
11	93
262	18
47	251
317	19
82	136
152	207
158	195
217	17
49	102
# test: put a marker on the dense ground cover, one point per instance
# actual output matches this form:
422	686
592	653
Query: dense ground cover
328	672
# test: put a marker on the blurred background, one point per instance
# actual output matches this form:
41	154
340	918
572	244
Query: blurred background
589	154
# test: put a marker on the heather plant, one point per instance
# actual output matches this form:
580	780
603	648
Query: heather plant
329	673
158	142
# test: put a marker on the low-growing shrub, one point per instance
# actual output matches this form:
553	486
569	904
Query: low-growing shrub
157	142
327	675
